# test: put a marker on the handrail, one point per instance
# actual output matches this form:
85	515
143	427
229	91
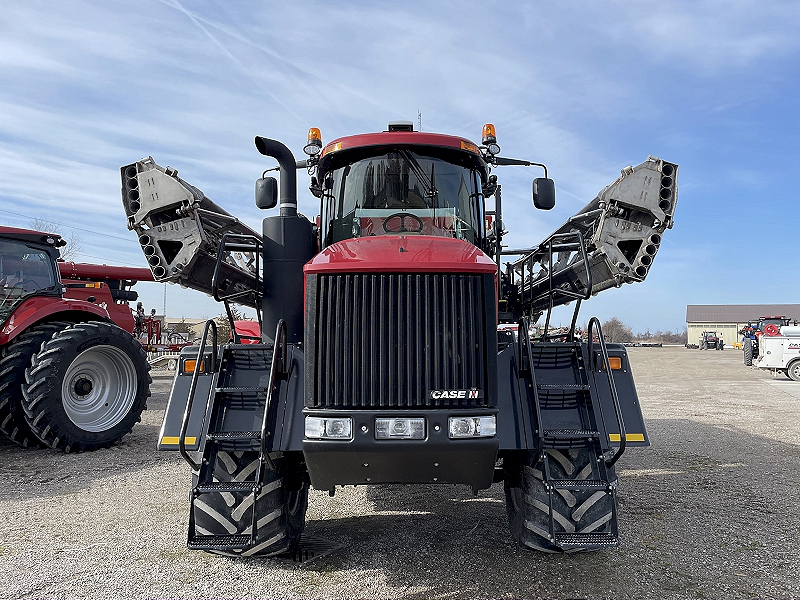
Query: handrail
212	369
241	241
611	386
278	349
523	327
581	245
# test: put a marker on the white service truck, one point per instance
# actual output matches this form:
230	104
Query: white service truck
780	352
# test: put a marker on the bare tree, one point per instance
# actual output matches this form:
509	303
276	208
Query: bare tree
73	246
616	331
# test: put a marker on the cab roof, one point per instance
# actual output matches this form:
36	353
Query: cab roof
32	236
404	138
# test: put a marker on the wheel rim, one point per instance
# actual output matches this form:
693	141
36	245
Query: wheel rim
99	388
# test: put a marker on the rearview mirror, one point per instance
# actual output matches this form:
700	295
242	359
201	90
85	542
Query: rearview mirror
544	193
266	192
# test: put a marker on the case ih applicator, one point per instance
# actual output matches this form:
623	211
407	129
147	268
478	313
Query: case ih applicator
381	360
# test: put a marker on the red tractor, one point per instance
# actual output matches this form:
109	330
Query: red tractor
72	376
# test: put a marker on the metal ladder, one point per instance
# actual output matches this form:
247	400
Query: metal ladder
225	397
561	391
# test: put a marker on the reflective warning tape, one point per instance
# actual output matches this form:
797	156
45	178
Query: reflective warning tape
629	437
172	440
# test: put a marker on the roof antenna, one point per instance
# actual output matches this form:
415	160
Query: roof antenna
419	120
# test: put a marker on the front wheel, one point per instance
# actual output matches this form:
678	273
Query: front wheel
527	501
280	505
86	387
793	370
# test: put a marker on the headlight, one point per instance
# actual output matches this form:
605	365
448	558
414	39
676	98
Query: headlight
469	427
400	429
329	428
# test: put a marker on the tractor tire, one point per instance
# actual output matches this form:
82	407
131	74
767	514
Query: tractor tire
574	512
702	345
793	370
14	359
86	387
748	352
282	512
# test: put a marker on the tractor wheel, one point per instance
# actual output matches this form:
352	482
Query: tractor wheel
281	511
86	387
748	352
14	359
527	501
702	345
793	370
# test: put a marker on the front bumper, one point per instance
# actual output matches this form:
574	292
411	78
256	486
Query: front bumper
435	459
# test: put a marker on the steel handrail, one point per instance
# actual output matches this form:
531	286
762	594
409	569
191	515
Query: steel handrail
193	388
611	386
250	241
279	350
523	327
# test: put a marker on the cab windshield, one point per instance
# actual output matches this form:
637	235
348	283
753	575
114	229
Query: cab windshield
24	270
402	192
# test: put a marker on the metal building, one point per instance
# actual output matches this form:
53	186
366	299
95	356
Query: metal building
728	319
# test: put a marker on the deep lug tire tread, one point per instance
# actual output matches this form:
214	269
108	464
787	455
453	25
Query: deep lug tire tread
14	359
573	511
42	403
748	352
281	512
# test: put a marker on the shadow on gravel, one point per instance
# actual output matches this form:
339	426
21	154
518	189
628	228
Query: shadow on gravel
44	473
704	511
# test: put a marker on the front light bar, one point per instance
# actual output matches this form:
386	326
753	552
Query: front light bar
470	427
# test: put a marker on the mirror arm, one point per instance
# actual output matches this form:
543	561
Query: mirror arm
499	160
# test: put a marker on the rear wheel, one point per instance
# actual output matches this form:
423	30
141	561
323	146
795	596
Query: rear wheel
281	506
86	387
748	352
14	359
793	370
527	501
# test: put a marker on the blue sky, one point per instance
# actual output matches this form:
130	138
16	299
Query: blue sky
586	87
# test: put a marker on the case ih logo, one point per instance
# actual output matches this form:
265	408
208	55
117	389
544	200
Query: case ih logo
794	346
454	394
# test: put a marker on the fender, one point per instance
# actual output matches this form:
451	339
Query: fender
38	308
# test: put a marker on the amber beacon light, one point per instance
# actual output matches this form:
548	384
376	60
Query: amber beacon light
489	139
314	144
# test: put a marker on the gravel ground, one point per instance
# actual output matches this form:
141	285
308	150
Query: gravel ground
708	511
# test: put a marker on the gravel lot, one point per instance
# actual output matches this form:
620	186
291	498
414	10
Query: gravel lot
709	511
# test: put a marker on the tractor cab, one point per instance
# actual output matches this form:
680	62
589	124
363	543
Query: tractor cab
401	183
27	267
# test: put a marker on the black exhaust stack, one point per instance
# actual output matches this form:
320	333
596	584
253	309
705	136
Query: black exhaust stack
288	245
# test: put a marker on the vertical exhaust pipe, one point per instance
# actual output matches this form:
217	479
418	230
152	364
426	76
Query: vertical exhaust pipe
288	171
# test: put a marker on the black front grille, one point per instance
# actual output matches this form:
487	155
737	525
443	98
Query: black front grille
387	340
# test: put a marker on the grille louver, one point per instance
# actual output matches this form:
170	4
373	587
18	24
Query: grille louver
386	340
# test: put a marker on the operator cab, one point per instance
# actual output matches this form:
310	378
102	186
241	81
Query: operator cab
410	189
26	268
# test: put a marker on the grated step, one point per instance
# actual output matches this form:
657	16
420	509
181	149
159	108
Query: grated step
570	434
586	540
230	436
227	486
219	542
579	485
562	386
241	390
247	347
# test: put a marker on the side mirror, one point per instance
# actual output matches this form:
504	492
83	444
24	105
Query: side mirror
544	193
266	192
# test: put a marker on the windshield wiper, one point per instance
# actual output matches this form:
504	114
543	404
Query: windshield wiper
422	177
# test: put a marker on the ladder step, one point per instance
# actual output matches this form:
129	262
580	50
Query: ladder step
591	540
220	542
241	390
579	485
570	434
227	486
561	386
248	347
230	436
